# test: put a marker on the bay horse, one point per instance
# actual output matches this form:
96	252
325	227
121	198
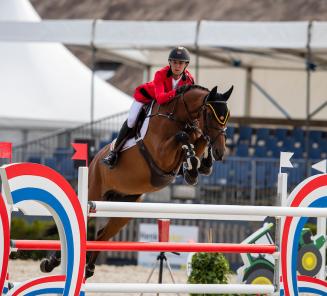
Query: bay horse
192	125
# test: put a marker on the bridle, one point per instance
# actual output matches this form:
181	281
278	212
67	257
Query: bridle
192	124
221	128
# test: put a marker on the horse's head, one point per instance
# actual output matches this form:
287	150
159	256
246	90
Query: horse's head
216	116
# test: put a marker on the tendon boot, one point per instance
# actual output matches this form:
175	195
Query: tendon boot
112	158
89	270
48	264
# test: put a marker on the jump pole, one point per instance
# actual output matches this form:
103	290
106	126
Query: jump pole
148	246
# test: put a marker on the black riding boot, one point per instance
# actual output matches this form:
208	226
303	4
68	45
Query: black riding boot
112	158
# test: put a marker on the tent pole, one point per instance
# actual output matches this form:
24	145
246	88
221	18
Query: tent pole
197	57
308	97
93	57
248	92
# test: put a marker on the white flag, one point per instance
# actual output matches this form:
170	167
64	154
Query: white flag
285	160
320	166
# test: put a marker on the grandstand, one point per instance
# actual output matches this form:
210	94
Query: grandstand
248	173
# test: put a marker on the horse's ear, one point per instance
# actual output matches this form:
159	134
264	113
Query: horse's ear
225	96
212	94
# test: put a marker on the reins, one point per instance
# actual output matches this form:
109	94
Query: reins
191	123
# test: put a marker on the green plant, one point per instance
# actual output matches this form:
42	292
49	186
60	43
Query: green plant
209	268
21	229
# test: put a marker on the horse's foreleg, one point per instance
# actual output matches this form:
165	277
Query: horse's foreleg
206	162
113	226
192	162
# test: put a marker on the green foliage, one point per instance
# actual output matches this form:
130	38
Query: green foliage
21	229
37	230
209	268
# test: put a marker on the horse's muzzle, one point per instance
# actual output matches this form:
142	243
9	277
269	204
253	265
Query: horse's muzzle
218	154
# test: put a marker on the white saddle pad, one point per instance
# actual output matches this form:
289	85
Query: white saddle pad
131	142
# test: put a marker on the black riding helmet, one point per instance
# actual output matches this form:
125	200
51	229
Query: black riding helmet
179	53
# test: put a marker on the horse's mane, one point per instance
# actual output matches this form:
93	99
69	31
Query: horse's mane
186	88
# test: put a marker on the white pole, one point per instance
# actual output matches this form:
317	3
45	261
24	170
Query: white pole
281	202
179	288
164	210
201	216
282	189
321	231
83	190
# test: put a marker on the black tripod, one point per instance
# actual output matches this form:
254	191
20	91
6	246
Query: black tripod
161	258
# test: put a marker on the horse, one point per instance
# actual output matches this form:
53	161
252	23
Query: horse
192	125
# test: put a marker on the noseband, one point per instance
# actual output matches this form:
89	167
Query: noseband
221	129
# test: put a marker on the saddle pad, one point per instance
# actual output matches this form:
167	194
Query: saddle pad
131	142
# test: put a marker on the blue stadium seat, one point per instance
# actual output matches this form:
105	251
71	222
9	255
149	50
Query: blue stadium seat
230	137
66	168
34	159
323	145
314	153
288	144
273	151
230	132
297	173
272	169
298	152
219	174
315	136
271	142
243	174
281	134
51	162
262	134
61	154
242	150
245	134
260	151
261	175
298	135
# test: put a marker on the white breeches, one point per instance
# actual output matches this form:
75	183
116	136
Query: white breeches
133	113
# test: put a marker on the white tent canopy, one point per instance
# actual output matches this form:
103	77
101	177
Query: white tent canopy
158	34
45	81
261	59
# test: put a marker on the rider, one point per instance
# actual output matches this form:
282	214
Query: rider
162	89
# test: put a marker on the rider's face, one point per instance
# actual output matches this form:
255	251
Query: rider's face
177	67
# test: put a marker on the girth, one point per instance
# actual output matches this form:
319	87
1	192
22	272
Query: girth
159	178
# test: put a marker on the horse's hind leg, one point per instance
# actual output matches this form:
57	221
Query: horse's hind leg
48	264
113	226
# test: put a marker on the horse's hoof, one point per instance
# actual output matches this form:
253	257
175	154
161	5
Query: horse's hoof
47	265
190	178
89	271
204	170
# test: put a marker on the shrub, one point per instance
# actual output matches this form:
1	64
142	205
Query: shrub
209	268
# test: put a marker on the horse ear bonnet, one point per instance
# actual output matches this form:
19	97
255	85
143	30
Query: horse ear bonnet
225	96
212	95
217	104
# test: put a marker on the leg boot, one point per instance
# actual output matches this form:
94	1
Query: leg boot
112	158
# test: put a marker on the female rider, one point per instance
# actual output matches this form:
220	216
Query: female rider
162	89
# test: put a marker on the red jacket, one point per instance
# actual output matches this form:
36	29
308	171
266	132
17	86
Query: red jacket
161	88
